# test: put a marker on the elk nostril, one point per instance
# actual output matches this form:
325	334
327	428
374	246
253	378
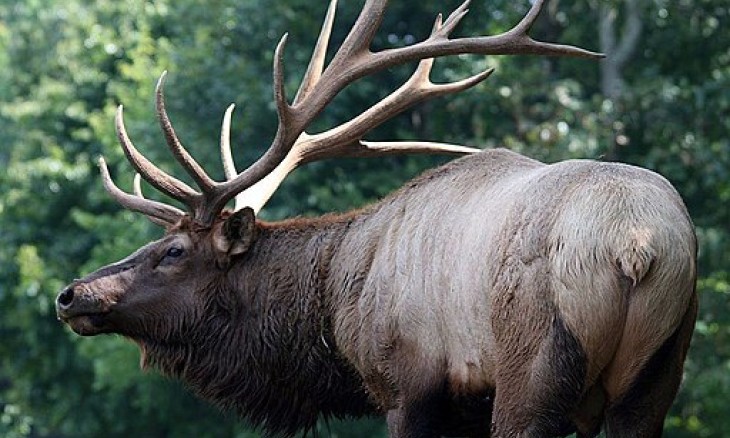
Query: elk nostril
66	297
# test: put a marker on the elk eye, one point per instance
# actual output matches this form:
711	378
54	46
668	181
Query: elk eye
174	251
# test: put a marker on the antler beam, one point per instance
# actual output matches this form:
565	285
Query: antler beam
292	146
354	60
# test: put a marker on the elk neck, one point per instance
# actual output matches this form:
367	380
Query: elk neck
263	346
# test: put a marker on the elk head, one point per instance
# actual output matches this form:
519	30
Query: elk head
157	287
162	280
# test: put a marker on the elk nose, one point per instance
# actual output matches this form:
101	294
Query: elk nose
65	298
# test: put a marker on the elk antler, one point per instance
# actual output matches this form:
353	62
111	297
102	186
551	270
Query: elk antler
292	146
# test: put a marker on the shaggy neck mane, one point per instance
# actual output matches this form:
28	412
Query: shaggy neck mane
262	346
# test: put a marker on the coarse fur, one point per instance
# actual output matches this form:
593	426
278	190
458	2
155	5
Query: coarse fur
262	347
495	294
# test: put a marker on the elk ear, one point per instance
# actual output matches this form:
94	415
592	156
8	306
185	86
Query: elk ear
237	233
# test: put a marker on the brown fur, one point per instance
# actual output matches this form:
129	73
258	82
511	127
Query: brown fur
495	282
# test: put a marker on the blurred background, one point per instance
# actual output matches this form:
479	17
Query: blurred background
660	100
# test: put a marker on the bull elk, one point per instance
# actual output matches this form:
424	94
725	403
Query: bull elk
493	296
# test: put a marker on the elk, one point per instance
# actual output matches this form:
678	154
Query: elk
492	296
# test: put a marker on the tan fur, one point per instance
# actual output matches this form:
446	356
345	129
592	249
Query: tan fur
613	243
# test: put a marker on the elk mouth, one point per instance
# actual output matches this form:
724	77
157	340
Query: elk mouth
86	324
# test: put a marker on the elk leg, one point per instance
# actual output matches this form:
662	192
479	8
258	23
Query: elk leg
414	420
422	402
541	364
535	398
641	411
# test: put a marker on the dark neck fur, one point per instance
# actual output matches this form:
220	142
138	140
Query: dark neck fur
263	345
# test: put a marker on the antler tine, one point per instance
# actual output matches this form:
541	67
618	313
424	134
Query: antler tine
180	153
453	19
137	189
358	41
137	185
153	174
159	213
283	109
229	167
316	64
529	19
381	148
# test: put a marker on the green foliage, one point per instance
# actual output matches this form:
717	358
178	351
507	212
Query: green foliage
66	64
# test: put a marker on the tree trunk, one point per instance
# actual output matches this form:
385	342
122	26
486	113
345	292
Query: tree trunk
618	51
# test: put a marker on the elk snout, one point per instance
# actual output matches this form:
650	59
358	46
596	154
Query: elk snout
76	300
85	312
